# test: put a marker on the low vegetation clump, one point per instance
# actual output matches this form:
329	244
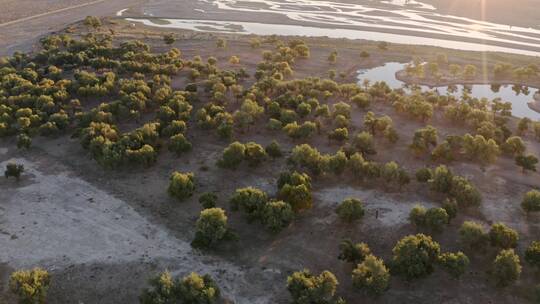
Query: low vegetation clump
211	228
531	201
305	287
181	185
414	256
192	288
455	264
506	268
353	253
371	275
350	209
30	286
15	170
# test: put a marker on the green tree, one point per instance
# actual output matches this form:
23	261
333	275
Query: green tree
417	215
211	228
169	38
353	253
527	162
531	201
181	185
371	275
350	209
532	254
506	268
274	149
250	200
454	263
162	290
277	215
441	180
23	141
503	236
472	235
15	170
436	219
423	175
305	287
363	142
197	289
254	154
232	156
179	144
30	286
414	256
208	200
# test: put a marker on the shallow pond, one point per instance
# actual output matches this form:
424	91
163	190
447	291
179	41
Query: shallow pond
387	73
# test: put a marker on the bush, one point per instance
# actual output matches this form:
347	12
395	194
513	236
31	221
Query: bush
23	141
30	286
506	267
503	236
436	219
464	192
211	228
298	196
179	144
181	185
254	154
250	200
414	256
531	201
423	175
417	216
232	155
371	275
193	288
274	149
162	290
363	142
208	200
15	170
441	180
353	253
350	209
532	254
277	215
307	288
454	263
472	235
451	207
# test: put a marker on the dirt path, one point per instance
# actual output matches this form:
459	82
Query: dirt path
22	34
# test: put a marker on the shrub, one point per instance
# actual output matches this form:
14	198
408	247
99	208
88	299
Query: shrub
414	256
526	162
15	170
464	192
274	149
339	134
503	236
532	254
179	144
506	267
208	200
350	209
232	155
362	100
371	275
441	180
363	142
277	215
472	235
436	218
353	253
305	287
423	175
454	263
162	290
30	286
250	200
254	154
169	38
451	207
23	141
417	216
531	201
181	185
196	289
211	228
193	288
298	196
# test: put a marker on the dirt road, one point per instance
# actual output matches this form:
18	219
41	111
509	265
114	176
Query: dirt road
22	33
